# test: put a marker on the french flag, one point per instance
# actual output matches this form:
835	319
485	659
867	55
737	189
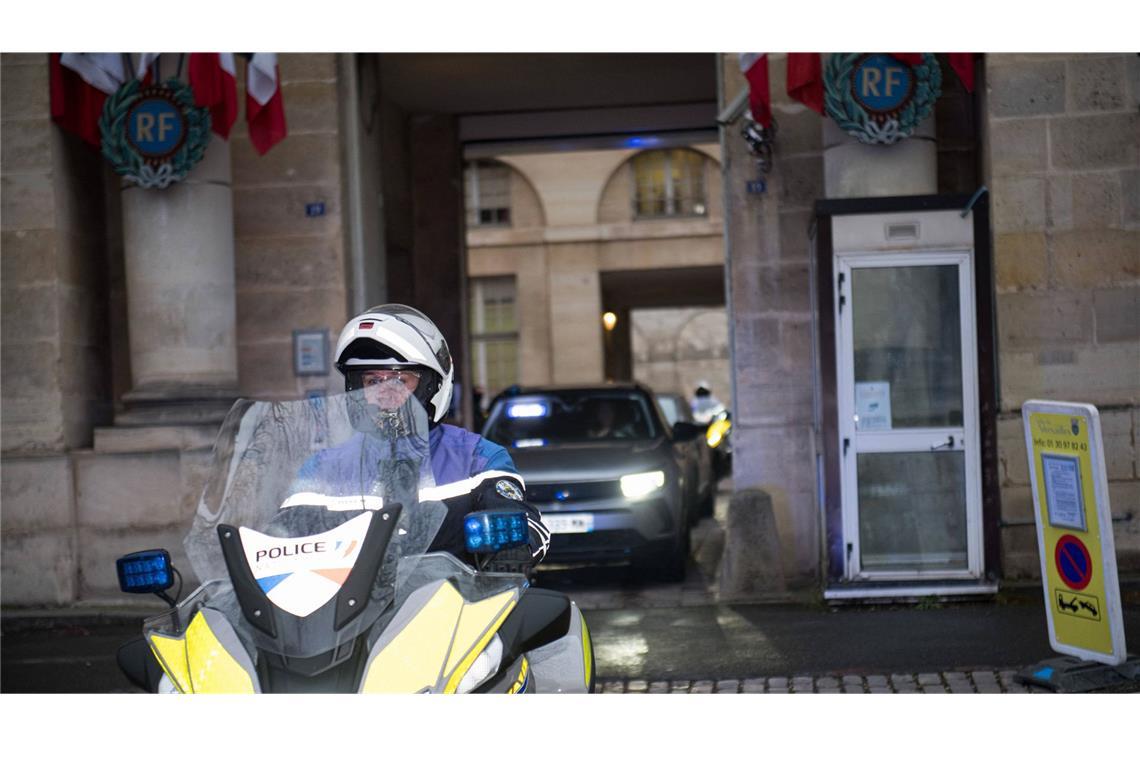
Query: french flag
213	78
80	84
264	106
754	66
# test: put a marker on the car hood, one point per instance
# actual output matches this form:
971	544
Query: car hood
565	463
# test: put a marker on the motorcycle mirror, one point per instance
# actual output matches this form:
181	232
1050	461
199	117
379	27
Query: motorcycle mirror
145	572
493	530
684	432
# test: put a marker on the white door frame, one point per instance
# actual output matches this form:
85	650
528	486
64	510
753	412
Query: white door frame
967	438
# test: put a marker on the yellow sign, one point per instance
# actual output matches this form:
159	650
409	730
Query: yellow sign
1074	530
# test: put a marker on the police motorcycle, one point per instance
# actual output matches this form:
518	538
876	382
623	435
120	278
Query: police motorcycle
311	539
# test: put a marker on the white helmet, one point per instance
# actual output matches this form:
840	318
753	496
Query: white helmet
393	336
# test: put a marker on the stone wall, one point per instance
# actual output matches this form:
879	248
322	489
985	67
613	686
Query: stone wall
55	377
77	493
1064	171
771	319
290	267
55	370
674	349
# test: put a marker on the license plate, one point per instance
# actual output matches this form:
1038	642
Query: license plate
581	522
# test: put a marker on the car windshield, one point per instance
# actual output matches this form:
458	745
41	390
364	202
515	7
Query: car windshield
578	416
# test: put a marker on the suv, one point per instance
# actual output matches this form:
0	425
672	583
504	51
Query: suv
610	475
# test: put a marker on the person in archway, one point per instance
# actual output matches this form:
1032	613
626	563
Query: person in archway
705	406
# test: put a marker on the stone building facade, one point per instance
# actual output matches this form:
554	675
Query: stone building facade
1056	140
573	222
84	482
95	465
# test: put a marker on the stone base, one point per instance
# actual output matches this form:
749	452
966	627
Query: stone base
753	566
135	498
175	405
39	568
126	440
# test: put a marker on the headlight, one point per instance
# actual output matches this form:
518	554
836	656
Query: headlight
485	666
642	484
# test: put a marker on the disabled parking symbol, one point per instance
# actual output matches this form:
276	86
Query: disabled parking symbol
1074	564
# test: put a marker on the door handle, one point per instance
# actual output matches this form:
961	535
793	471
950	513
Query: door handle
947	444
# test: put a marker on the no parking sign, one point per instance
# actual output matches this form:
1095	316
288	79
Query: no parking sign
1074	530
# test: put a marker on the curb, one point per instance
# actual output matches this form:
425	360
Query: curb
950	682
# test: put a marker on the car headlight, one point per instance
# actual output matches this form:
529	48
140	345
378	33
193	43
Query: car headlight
485	666
642	484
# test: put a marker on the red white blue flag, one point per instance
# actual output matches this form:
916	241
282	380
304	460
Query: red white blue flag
264	107
754	66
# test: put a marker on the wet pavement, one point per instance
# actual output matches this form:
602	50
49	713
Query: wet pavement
652	637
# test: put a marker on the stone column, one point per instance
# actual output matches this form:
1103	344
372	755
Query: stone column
854	170
179	252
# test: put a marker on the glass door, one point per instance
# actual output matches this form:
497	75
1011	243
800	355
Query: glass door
908	413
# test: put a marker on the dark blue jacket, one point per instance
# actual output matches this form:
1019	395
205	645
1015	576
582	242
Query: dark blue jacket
468	473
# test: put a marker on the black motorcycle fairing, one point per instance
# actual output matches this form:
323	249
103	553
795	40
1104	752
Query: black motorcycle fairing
542	616
139	665
336	671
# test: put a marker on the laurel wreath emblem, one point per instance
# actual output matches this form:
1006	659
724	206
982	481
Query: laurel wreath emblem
883	129
126	161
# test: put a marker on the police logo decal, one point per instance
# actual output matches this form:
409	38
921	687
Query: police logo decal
509	490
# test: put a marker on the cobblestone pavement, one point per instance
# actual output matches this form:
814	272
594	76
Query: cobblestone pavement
974	682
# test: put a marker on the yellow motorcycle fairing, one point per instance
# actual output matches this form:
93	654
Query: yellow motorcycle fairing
717	431
207	658
587	653
433	640
520	681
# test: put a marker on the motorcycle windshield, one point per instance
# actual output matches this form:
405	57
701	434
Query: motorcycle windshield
306	514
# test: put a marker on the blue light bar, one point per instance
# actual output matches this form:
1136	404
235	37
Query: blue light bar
493	530
525	409
147	572
526	443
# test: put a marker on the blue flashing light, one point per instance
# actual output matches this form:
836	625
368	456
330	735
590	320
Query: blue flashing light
146	572
641	142
526	443
527	409
493	530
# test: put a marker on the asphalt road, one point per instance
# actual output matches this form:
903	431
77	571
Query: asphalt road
714	641
652	631
75	656
730	641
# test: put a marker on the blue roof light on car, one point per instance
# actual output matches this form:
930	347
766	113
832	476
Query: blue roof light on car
524	409
492	530
526	443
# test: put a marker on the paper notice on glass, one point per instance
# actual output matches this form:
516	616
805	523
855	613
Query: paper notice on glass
1062	477
872	406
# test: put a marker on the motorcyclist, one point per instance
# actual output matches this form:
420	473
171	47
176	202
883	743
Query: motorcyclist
391	353
705	405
